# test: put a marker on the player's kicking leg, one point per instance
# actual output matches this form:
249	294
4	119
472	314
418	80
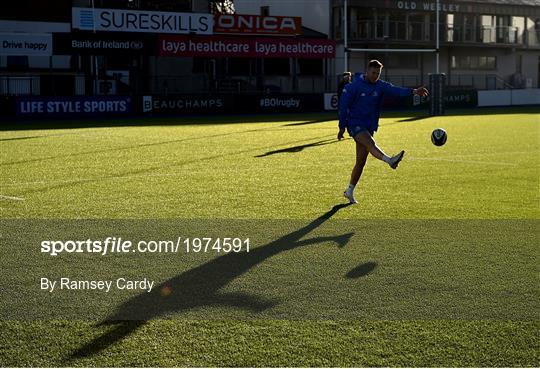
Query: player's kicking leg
367	140
361	157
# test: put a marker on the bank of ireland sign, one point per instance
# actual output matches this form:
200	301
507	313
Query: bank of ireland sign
121	20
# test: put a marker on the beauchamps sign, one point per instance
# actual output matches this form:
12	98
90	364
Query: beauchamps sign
257	24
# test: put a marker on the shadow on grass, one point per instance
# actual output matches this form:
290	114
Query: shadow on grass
7	124
413	119
115	149
32	137
361	270
15	124
20	138
133	174
200	287
309	122
298	148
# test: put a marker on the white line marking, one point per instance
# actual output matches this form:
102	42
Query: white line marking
11	198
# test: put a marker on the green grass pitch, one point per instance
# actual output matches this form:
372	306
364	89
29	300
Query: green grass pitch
291	168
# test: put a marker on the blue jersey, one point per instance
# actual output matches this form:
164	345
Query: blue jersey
360	102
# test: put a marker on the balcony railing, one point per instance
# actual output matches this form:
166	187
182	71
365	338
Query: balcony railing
51	85
14	85
422	32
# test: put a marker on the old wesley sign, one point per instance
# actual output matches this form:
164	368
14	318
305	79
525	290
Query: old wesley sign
427	6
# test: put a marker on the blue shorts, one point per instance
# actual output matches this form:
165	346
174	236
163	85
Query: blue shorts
354	130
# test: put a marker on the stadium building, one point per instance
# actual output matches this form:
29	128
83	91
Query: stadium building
113	53
274	54
484	44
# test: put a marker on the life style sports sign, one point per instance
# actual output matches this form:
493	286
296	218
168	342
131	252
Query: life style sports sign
26	44
72	106
121	20
217	46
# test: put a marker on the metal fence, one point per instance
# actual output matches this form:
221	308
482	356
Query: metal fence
62	85
34	85
478	81
241	84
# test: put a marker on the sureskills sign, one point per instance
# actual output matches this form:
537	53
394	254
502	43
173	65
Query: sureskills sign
120	20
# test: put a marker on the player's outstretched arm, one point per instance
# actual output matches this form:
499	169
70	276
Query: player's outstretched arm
391	90
421	91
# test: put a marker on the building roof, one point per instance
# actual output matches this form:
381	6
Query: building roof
311	33
505	2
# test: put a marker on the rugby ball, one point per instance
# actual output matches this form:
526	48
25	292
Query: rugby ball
438	137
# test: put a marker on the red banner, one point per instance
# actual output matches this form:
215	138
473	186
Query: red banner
216	46
257	24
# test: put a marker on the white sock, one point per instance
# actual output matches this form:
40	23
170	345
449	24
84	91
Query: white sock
350	189
386	159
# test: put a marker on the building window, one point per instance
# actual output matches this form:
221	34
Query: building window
36	10
240	66
17	62
396	60
310	67
415	31
276	67
222	7
474	62
338	26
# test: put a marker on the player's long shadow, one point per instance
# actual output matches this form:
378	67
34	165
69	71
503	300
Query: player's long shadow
200	287
298	148
31	137
20	138
309	122
412	119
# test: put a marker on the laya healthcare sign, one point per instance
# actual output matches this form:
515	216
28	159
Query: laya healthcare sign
121	20
25	44
238	47
73	106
